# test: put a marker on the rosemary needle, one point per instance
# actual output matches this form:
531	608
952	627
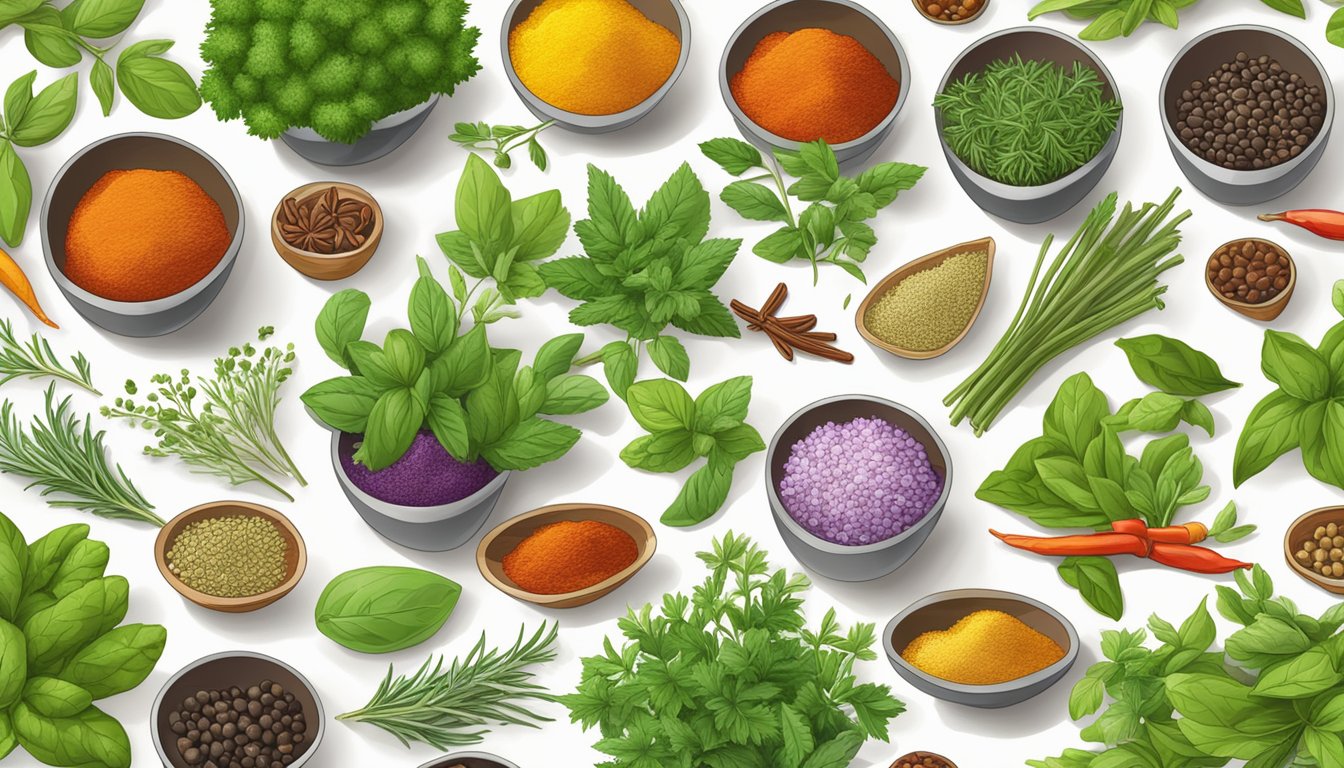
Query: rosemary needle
35	360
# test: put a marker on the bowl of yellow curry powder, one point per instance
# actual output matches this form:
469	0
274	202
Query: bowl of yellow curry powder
141	231
981	647
594	66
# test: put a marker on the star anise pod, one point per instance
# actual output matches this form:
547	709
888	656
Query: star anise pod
325	223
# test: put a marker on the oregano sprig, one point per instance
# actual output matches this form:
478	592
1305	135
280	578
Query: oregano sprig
503	139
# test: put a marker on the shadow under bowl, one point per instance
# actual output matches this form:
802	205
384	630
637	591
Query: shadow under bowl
1301	530
941	610
840	16
127	151
841	561
385	136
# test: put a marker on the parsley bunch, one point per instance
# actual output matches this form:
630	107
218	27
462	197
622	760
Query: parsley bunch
731	677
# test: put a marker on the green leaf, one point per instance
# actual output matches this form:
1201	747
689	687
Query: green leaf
661	405
619	364
704	263
556	356
13	664
466	364
100	18
754	201
1271	430
103	84
433	316
1334	33
404	356
1106	26
1164	12
611	225
341	323
537	154
725	401
17	98
1154	412
733	155
1325	746
530	444
1290	7
1086	697
568	394
448	421
1135	15
836	753
55	698
678	210
385	608
670	356
1096	580
1197	414
669	451
91	739
577	278
1054	6
885	181
393	424
1074	417
1173	366
10	12
1298	677
1322	430
798	739
734	444
48	114
700	498
16	194
344	403
540	225
156	86
117	661
48	40
781	246
484	208
1298	369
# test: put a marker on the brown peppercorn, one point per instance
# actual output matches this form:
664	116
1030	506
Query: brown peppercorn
1249	271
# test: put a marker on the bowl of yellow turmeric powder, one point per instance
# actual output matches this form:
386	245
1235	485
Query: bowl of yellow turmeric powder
594	66
981	647
141	231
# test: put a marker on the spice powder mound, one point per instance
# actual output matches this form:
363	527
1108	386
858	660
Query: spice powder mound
984	648
141	235
569	555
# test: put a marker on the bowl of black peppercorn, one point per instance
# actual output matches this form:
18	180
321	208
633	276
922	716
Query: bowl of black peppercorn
237	709
1247	113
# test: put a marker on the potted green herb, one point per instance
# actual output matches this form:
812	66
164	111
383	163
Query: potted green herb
427	427
340	83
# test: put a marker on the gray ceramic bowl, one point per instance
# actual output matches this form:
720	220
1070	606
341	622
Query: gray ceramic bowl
841	16
385	135
470	760
223	670
428	529
941	610
839	561
668	13
1029	205
126	151
1206	53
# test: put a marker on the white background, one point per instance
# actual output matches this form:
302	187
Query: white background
415	186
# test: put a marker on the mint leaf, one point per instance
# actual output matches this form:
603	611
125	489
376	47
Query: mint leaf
568	394
670	356
668	451
530	444
704	493
725	400
733	155
754	201
660	405
620	365
679	210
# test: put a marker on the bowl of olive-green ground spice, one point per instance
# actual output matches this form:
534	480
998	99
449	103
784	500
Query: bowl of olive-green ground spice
231	556
927	307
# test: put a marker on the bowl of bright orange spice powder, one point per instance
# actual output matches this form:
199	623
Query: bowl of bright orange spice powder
140	232
801	70
565	555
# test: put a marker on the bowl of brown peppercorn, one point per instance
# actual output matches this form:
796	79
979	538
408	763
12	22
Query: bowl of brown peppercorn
923	760
951	11
1247	112
1252	276
235	706
1314	547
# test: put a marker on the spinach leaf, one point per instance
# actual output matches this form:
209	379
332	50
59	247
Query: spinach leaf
48	554
13	664
56	633
1174	367
117	661
91	739
55	698
385	608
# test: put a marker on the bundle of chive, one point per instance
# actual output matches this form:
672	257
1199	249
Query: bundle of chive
1105	275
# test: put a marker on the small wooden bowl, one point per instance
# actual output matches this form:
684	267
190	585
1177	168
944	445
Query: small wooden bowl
1299	531
1263	311
328	266
921	6
506	537
918	756
296	555
930	261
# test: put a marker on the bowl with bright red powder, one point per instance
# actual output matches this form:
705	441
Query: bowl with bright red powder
801	70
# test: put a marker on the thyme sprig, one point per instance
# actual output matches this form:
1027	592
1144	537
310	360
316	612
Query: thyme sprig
34	360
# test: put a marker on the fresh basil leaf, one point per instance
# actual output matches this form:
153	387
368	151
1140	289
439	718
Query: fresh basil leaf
448	421
385	608
492	409
735	444
484	208
836	753
16	194
781	246
403	356
569	394
1325	746
433	316
1097	581
536	153
55	698
1074	416
1154	412
1086	697
754	201
1106	26
668	451
1271	430
1173	366
733	155
671	357
556	356
885	181
1135	15
1322	432
678	210
17	98
466	364
13	664
48	40
577	278
530	444
727	399
1065	477
100	18
1291	363
48	114
117	661
1164	12
1334	33
620	365
700	498
156	86
340	323
343	403
1197	414
1053	6
660	405
1290	7
10	12
540	225
1025	494
392	426
1299	676
1198	631
104	86
91	739
712	319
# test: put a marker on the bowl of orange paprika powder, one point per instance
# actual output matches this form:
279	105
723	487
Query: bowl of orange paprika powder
141	231
801	70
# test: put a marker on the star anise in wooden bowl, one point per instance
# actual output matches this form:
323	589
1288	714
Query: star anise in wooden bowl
325	222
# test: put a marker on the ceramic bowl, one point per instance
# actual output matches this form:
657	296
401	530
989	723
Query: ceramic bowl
470	760
941	610
840	561
506	537
1034	204
328	266
1203	55
1301	530
224	670
916	757
152	151
668	13
840	16
385	135
977	13
1266	310
921	264
296	555
428	529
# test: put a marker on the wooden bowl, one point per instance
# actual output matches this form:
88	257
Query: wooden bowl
1299	531
506	537
930	261
328	266
296	555
917	756
1267	310
920	7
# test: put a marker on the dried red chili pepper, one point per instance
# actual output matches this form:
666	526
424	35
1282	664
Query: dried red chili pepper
1318	221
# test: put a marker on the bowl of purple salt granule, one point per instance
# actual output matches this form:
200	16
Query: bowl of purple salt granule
856	484
426	500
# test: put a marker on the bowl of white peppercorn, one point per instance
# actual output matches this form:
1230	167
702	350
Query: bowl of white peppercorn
229	706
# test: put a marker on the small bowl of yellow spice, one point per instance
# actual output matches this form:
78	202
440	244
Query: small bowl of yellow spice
594	66
981	647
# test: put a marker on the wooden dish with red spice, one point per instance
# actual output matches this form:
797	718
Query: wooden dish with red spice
500	543
327	230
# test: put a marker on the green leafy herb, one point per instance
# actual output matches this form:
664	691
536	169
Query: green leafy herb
833	228
28	121
335	68
499	242
64	456
454	707
732	676
503	139
1106	274
1173	366
61	648
35	360
1116	18
645	270
1272	696
230	431
681	430
473	397
1334	29
384	608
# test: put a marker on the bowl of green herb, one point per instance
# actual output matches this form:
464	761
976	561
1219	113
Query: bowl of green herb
1029	120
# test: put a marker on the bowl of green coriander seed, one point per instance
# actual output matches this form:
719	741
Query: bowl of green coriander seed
231	556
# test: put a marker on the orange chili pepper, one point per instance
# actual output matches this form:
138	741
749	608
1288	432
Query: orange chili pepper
1171	545
1082	544
1190	533
1318	221
12	277
1197	559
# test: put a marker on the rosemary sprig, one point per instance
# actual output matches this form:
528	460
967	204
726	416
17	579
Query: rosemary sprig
453	707
35	360
502	139
63	455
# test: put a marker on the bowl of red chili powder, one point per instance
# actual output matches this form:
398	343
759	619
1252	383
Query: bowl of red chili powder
141	231
801	70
